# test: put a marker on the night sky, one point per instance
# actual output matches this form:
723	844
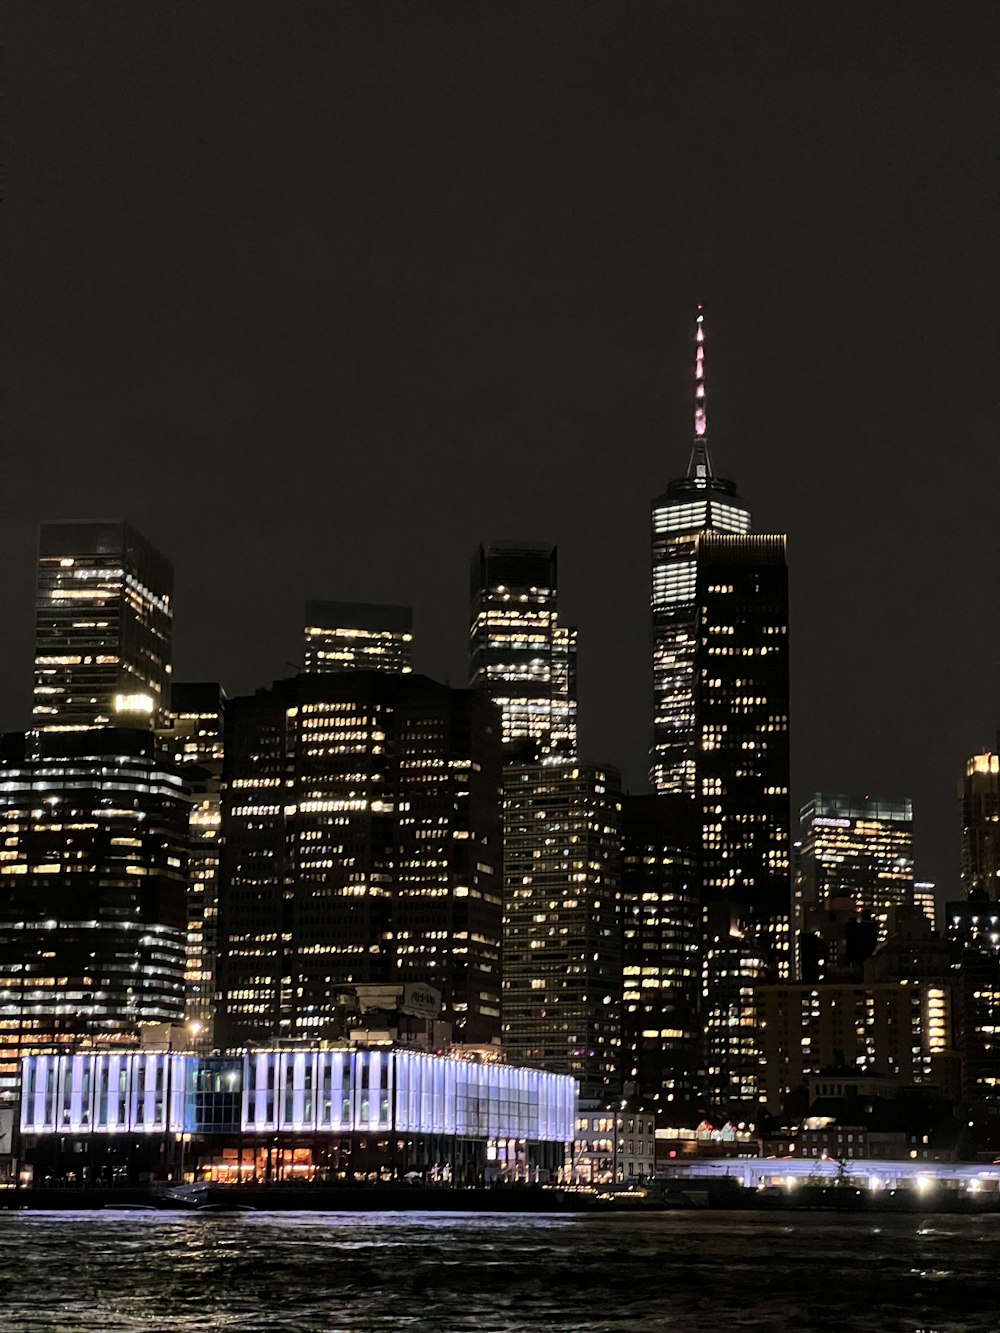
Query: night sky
321	295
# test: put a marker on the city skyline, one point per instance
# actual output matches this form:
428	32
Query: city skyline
632	764
500	700
474	328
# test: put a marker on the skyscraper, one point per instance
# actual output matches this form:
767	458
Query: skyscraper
93	851
193	736
562	921
362	845
103	628
742	723
661	911
742	770
972	928
358	636
519	653
697	503
979	793
861	849
720	737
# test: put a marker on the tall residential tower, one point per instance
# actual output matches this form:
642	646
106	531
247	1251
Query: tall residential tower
562	921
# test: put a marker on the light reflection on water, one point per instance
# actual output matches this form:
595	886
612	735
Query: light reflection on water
489	1273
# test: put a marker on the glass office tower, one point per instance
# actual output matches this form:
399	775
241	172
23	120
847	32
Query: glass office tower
697	503
103	628
858	848
743	781
720	739
742	723
93	861
361	845
519	653
358	636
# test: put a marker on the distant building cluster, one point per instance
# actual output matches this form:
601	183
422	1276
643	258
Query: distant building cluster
396	927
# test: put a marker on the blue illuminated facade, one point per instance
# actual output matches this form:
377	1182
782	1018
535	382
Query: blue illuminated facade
333	1092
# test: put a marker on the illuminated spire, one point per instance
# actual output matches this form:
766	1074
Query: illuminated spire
700	467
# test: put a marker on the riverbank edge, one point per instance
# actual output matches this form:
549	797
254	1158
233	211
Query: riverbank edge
523	1199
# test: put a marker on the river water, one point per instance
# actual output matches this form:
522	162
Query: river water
489	1273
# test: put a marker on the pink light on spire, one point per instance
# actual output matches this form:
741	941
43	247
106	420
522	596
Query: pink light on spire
700	419
700	467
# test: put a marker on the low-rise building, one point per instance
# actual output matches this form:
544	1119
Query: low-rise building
270	1115
678	1142
610	1147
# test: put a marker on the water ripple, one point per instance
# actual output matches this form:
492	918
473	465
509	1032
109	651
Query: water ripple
143	1272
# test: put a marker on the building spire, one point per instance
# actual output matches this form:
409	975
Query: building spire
700	467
